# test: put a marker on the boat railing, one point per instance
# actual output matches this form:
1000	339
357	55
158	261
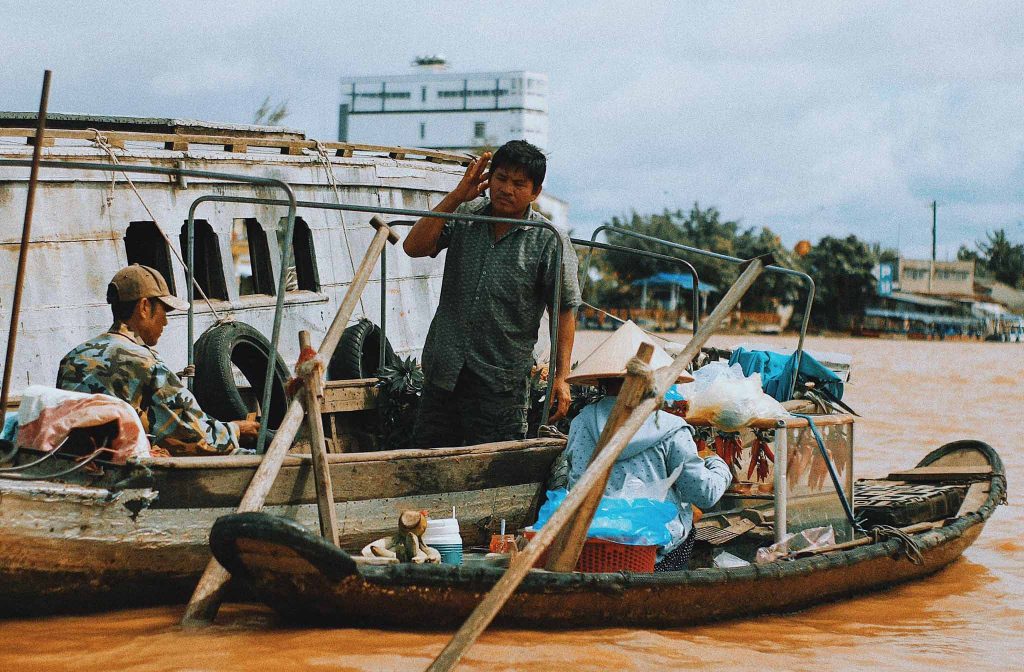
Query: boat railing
407	212
808	281
695	290
212	175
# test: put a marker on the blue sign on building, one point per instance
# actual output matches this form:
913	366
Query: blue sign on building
884	279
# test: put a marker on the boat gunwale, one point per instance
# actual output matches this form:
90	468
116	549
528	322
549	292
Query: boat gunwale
480	578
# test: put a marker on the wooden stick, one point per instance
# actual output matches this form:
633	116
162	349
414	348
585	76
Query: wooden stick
607	454
26	239
202	607
864	541
312	391
566	548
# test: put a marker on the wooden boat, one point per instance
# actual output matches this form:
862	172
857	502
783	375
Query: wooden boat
137	534
948	498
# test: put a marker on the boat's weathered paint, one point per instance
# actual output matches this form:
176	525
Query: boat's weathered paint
76	547
81	219
305	579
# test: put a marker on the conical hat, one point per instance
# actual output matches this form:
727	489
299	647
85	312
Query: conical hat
610	358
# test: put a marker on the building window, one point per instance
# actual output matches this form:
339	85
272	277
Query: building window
479	130
208	268
144	244
302	273
463	93
423	94
423	130
387	95
251	256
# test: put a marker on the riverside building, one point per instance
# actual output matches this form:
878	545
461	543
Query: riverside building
434	108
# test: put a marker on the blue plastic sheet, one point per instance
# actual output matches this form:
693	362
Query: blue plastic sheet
10	426
633	522
776	372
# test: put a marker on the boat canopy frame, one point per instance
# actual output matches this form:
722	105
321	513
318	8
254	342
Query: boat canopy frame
807	279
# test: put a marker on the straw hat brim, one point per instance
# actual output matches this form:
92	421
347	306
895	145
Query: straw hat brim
609	359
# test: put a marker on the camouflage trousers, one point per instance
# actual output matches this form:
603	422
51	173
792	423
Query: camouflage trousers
471	414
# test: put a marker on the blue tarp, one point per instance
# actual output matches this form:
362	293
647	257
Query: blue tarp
683	280
776	371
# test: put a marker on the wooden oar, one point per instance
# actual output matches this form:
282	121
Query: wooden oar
595	475
202	607
313	392
567	546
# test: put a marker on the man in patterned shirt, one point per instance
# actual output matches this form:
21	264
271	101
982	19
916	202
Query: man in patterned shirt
498	280
122	363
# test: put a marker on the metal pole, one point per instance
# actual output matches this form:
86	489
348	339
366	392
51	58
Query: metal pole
724	257
383	309
931	267
26	234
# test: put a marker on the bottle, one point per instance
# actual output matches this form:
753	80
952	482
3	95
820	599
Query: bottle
443	534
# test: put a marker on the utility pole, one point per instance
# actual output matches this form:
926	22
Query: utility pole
931	267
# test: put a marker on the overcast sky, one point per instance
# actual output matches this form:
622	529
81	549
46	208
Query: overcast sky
812	119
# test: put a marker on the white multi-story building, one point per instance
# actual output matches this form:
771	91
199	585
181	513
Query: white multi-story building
437	109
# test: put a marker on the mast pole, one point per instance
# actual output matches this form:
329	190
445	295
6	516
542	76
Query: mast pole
26	234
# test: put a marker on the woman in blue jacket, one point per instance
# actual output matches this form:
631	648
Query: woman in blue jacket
663	445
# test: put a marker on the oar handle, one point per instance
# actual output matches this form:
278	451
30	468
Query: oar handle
592	477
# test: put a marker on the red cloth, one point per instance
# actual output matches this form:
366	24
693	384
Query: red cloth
47	415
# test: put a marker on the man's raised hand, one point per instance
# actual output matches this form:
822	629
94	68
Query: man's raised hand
476	180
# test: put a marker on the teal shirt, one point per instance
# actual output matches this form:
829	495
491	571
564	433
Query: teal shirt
493	296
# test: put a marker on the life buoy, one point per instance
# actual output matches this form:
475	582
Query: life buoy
236	345
358	353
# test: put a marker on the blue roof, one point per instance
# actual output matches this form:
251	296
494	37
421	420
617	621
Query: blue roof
684	280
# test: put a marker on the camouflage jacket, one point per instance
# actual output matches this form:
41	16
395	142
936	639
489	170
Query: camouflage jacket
118	363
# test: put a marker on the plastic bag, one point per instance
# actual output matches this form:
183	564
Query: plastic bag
634	522
637	488
814	537
722	395
725	560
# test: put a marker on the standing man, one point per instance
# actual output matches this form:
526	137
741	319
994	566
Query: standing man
498	279
121	363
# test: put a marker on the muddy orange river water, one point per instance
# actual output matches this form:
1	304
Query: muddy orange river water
913	396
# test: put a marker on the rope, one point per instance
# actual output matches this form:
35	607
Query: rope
101	141
909	547
329	169
637	367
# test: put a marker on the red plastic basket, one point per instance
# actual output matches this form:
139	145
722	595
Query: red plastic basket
599	555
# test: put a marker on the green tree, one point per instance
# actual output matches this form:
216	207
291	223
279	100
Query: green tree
270	114
1002	259
771	289
697	228
842	271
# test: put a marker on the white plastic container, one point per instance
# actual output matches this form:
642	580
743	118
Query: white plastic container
443	535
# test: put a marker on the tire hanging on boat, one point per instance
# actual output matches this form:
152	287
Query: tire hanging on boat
358	353
236	345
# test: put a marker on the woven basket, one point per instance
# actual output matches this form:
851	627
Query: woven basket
599	555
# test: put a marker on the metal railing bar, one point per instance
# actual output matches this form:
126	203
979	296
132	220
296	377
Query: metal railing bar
189	172
808	280
695	291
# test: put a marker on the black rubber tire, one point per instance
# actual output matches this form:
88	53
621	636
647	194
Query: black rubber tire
239	344
358	353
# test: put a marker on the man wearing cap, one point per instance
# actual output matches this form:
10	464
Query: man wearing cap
121	362
662	447
498	280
